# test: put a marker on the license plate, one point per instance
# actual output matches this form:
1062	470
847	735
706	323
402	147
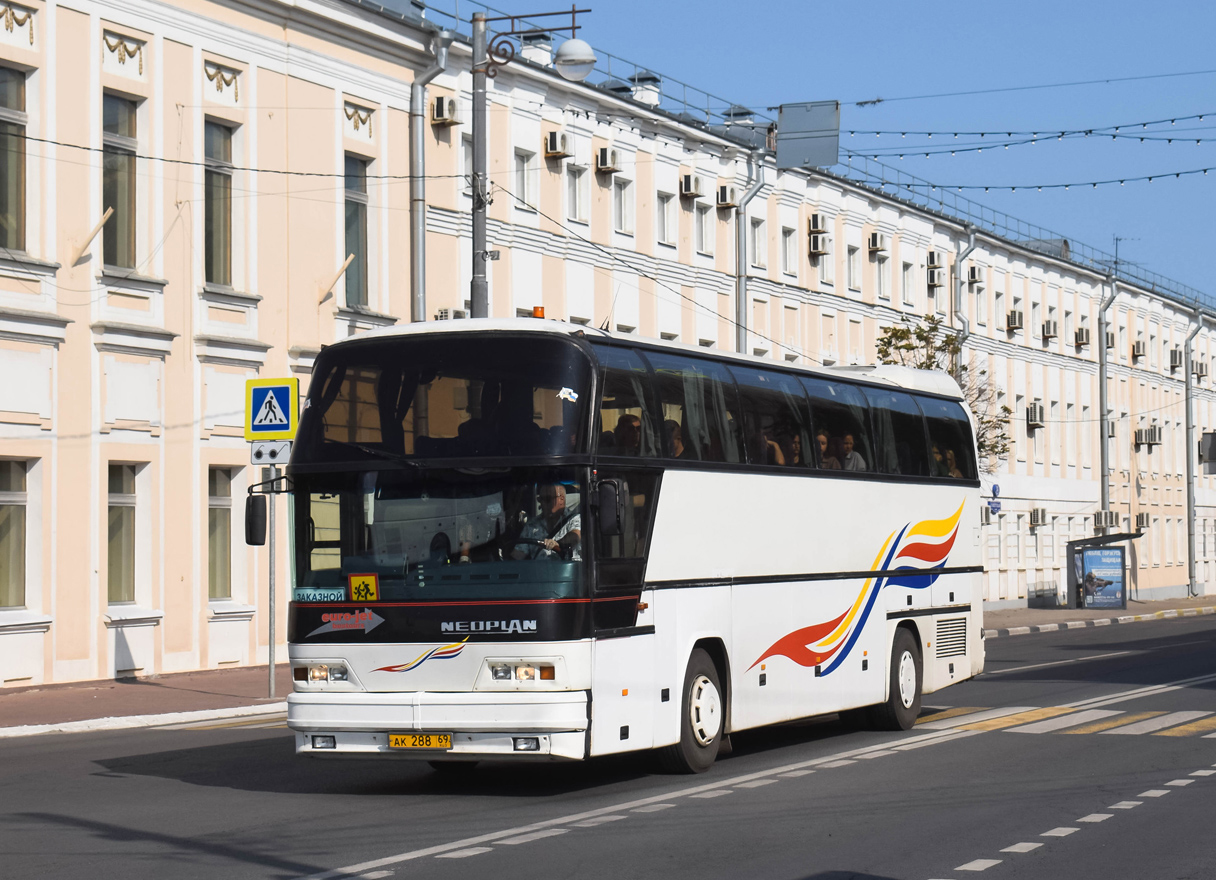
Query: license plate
437	741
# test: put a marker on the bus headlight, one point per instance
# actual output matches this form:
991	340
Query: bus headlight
500	672
320	673
522	671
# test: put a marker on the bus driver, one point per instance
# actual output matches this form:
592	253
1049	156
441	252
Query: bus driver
554	532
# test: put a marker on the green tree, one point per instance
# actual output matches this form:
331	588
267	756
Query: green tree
929	344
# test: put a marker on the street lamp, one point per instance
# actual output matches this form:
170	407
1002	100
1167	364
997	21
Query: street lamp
574	61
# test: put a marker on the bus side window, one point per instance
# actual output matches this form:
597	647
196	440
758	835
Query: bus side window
899	433
626	424
950	434
699	397
776	421
840	415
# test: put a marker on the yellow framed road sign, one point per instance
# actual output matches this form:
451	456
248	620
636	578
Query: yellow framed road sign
272	409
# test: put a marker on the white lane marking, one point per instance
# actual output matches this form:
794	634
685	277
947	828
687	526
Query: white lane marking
1154	792
978	865
1210	736
1203	773
1137	693
577	818
987	714
1096	817
880	754
1061	721
921	743
1022	847
1161	722
464	853
652	808
1059	663
1178	783
1059	832
718	792
1125	805
375	875
599	820
842	763
756	783
794	774
535	835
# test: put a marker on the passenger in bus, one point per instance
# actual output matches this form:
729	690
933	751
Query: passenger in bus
628	435
850	460
826	459
555	532
795	457
675	438
939	462
952	465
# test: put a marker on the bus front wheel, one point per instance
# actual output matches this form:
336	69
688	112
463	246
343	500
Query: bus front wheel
903	702
702	717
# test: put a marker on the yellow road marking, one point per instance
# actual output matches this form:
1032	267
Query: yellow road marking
1110	723
1015	720
1195	727
950	713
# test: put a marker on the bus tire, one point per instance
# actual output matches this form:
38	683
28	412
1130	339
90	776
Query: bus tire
907	675
702	717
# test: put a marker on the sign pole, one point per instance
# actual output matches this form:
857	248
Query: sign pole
274	475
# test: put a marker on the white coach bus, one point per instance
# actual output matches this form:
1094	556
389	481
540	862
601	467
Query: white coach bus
530	539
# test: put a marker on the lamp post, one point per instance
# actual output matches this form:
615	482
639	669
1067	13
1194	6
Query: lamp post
574	60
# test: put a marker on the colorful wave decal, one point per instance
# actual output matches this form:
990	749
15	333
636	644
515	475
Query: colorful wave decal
915	554
444	652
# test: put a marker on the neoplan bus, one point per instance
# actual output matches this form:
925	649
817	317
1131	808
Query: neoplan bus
533	540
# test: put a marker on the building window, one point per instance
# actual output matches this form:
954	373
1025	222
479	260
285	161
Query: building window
219	533
622	205
120	557
882	276
12	159
12	534
827	261
665	219
759	243
466	151
576	198
356	230
789	251
217	152
704	230
907	285
118	181
981	305
521	178
853	268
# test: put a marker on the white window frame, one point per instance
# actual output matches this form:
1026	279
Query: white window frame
827	261
789	250
757	242
577	178
704	230
21	499
852	267
665	219
523	180
882	276
622	205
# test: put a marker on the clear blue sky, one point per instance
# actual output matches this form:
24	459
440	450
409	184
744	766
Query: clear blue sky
763	53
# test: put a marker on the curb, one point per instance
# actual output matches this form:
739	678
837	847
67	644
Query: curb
1105	621
127	722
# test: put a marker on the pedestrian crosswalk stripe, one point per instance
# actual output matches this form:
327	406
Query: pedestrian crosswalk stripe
1154	724
1110	723
1195	727
943	714
1016	719
1059	723
982	715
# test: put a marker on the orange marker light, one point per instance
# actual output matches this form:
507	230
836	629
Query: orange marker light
625	692
538	311
763	666
546	673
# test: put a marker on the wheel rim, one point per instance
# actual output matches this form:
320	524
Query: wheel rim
907	679
704	710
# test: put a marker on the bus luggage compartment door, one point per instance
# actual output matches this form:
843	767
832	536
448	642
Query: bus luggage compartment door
623	693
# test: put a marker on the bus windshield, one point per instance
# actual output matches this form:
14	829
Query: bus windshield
464	395
438	535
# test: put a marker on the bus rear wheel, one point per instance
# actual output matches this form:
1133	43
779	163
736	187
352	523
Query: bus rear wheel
907	675
702	714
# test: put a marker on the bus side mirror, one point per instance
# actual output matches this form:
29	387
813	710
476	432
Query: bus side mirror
255	520
611	513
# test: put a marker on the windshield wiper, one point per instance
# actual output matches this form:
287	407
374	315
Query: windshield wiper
378	453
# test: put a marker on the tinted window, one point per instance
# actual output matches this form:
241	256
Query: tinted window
626	425
950	435
842	435
899	433
776	426
698	409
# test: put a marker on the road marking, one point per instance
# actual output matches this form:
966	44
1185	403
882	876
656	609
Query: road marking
1178	783
1108	724
756	783
978	865
951	723
842	763
717	792
794	774
1124	805
1059	662
535	835
1096	817
1204	773
1017	718
925	741
1059	832
375	875
948	713
652	808
1190	729
1137	693
1163	721
464	853
879	754
1154	792
1022	847
1060	722
600	820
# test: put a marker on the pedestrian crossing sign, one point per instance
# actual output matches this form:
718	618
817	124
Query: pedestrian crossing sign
272	409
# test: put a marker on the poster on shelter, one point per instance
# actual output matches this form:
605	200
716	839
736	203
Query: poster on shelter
1101	577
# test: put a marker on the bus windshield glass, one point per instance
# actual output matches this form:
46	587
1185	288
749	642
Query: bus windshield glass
464	395
392	535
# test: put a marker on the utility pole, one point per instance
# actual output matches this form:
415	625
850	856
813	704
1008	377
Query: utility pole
1188	350
1103	403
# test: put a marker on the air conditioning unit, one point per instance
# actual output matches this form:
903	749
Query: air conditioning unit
1143	521
985	515
557	145
1082	336
445	111
818	223
935	278
933	260
818	245
975	274
1150	436
726	196
877	242
1035	417
1201	369
1110	338
1051	329
1038	516
450	314
691	186
1176	359
1112	428
606	160
1013	320
1139	349
1106	519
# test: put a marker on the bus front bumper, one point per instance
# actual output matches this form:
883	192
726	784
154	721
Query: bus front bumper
542	725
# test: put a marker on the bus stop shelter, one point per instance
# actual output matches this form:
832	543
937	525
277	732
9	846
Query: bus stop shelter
1097	571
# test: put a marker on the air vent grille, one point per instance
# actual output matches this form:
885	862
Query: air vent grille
951	637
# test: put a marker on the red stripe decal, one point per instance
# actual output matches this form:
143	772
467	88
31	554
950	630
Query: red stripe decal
796	644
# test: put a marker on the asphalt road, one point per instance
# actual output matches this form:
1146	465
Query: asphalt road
1073	759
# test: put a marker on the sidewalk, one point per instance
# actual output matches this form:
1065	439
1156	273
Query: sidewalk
1021	621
